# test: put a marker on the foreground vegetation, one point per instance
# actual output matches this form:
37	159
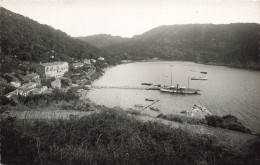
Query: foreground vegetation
112	137
227	121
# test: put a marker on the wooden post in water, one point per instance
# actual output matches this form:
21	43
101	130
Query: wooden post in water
171	77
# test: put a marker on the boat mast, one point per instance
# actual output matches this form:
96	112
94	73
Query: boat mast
188	82
171	77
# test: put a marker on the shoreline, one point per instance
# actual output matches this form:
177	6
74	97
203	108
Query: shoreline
256	67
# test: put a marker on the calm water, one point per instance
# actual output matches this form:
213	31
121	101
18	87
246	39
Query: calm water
227	90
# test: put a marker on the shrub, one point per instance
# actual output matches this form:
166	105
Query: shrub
5	101
227	122
176	118
65	82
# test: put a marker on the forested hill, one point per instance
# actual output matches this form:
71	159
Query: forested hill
226	43
27	40
103	40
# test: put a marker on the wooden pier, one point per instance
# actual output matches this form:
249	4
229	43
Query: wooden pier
188	91
125	87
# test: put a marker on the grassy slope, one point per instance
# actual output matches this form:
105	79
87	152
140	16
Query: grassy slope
112	137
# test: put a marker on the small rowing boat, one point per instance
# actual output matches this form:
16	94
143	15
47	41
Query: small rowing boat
149	99
154	109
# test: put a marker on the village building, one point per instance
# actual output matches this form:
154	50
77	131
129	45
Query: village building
93	60
25	91
29	85
87	62
37	91
77	65
30	77
56	84
53	69
101	58
16	84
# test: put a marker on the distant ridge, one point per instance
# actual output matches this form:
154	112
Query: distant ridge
236	43
103	40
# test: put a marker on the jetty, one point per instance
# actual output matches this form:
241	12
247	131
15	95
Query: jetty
125	87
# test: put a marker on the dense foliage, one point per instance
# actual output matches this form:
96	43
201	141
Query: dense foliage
27	40
221	44
112	138
227	122
103	40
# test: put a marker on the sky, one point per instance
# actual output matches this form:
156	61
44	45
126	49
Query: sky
127	18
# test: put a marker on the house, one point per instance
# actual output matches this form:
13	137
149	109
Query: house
87	62
52	69
16	84
28	85
30	77
25	91
56	83
93	60
77	65
101	58
37	91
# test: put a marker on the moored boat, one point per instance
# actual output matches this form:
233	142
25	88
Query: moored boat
154	109
179	90
184	111
139	105
203	72
148	84
199	78
149	99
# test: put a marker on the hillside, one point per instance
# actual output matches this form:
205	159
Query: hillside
103	40
23	39
222	44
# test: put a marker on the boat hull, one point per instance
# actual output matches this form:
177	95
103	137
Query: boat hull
195	78
180	91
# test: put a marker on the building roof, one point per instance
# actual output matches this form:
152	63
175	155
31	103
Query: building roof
30	76
26	90
27	85
53	63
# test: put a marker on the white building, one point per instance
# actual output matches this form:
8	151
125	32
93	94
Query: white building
16	84
87	62
101	58
29	85
25	91
77	65
40	90
53	69
93	60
